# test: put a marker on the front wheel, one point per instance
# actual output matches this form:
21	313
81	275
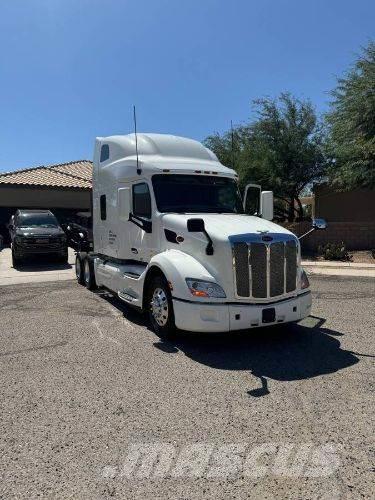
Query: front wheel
160	308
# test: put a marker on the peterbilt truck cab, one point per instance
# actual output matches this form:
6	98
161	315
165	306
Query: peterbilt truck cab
171	237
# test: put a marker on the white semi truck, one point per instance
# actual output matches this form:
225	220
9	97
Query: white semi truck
171	237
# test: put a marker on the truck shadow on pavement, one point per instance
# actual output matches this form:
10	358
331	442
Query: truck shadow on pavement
283	353
294	351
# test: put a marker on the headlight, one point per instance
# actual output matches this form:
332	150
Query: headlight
200	288
304	280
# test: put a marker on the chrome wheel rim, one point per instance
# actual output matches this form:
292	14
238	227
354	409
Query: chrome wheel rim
78	268
159	307
87	271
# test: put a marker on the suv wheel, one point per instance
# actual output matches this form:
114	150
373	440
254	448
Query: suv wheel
160	308
64	257
15	259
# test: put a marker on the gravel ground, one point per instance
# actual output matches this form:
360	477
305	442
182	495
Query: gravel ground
83	381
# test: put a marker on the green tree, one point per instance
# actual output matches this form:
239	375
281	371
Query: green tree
282	149
351	123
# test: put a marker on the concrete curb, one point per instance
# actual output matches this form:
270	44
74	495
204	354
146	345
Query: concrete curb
339	268
337	265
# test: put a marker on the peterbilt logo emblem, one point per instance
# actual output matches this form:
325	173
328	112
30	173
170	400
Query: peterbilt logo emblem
264	235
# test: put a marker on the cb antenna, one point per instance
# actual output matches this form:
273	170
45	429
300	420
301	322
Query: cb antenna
232	136
139	171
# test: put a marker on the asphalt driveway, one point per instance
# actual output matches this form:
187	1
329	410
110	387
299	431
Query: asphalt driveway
280	413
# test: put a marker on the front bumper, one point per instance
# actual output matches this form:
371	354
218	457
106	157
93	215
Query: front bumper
200	317
32	249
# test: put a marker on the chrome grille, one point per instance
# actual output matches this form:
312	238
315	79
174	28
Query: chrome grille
241	257
258	263
277	258
264	270
41	242
290	266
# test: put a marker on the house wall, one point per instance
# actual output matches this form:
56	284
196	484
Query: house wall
350	216
355	235
350	206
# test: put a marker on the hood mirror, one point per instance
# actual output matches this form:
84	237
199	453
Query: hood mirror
316	224
195	226
319	224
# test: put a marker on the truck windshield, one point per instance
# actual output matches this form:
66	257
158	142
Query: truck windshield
195	193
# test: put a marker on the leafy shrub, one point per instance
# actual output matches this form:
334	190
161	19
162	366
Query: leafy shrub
334	251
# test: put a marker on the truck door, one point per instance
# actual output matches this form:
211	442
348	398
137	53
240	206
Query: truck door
123	206
141	230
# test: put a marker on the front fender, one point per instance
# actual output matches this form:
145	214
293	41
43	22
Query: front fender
176	266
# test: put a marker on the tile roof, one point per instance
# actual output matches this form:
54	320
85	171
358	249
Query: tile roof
74	174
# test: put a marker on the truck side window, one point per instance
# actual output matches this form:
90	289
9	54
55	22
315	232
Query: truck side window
104	153
103	207
141	200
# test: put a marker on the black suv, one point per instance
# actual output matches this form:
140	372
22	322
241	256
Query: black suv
36	232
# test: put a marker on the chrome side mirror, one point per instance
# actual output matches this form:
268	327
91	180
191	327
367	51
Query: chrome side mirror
316	224
319	224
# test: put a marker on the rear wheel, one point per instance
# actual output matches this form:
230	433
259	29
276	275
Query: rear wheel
160	308
89	274
79	269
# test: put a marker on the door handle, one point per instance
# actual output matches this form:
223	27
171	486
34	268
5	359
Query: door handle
134	250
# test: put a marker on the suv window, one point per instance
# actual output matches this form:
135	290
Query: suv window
141	200
35	219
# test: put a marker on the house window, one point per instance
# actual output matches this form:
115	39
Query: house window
141	200
104	153
103	207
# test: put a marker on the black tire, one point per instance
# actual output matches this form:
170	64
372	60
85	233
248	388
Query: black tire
161	315
79	269
15	259
64	257
89	274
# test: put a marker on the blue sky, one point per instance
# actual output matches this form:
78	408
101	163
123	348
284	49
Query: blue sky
71	70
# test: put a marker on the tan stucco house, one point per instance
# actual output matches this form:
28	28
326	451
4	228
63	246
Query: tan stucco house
64	188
